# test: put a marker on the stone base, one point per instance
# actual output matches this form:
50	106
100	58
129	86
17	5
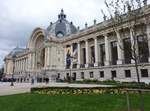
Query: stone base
95	64
132	61
149	59
86	65
119	62
78	66
107	63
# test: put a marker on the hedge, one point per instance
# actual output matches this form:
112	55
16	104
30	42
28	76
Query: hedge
78	91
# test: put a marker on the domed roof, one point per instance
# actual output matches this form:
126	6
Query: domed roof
15	51
61	27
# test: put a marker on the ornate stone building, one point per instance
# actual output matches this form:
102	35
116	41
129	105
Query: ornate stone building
62	50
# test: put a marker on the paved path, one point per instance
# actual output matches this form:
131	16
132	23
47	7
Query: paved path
6	89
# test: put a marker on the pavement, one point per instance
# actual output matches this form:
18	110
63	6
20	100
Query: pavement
18	88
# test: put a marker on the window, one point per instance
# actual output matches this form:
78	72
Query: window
101	74
143	48
102	54
144	73
127	50
92	55
74	76
113	74
82	75
60	34
91	75
58	75
127	73
67	75
84	55
114	53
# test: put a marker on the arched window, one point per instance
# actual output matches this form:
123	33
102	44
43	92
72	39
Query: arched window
60	34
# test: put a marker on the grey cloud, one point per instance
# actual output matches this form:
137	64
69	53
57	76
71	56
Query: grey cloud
18	18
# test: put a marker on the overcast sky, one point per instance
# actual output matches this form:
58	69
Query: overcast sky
18	18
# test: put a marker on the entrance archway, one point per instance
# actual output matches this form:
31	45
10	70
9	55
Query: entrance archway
40	52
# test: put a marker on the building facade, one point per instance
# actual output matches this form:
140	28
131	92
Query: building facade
96	52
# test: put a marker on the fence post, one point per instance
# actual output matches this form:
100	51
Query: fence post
141	100
128	101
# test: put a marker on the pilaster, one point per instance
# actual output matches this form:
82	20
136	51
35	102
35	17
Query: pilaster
107	55
148	36
119	48
87	53
96	51
78	66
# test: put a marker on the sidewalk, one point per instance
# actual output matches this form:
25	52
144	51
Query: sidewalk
18	88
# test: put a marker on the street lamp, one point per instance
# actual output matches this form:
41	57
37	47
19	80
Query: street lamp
12	79
71	59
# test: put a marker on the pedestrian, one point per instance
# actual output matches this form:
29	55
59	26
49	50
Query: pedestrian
32	81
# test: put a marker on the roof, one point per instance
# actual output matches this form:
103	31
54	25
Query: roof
15	51
61	27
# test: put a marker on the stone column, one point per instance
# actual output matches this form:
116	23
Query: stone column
107	51
96	51
87	53
5	68
65	53
78	66
48	56
33	58
71	49
15	66
29	61
148	37
119	48
45	65
20	65
23	64
26	64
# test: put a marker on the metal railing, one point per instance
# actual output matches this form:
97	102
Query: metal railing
141	101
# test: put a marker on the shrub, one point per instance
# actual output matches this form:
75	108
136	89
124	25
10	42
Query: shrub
77	91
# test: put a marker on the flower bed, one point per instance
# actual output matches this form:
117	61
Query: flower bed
78	91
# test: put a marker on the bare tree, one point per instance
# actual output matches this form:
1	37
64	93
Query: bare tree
130	12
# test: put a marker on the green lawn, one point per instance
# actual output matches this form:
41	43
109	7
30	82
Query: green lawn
37	102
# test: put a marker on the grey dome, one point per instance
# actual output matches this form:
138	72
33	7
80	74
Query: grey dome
61	27
15	51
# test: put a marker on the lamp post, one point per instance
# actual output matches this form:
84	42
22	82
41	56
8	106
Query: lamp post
71	59
12	78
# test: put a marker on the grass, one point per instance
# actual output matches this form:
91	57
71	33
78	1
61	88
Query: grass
37	102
